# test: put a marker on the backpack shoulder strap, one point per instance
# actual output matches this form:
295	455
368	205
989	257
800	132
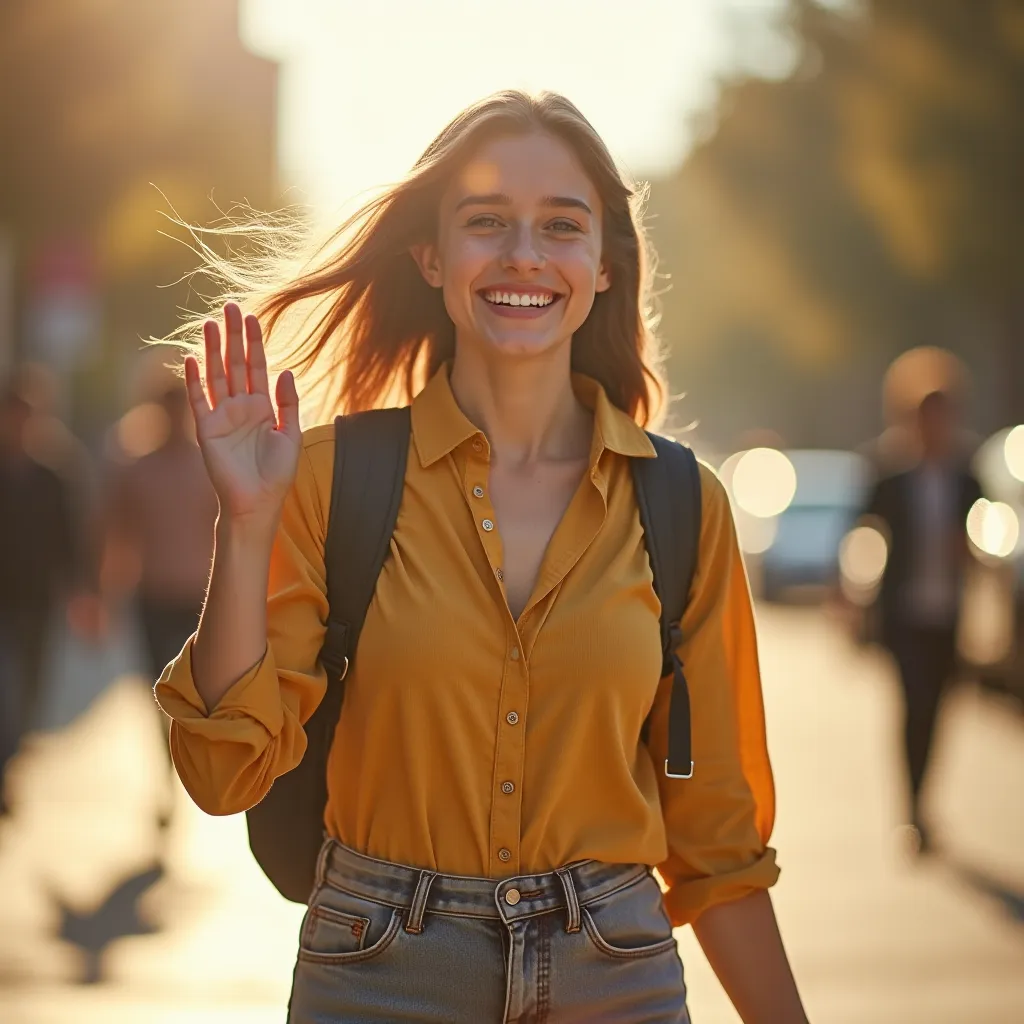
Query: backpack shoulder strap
668	495
370	454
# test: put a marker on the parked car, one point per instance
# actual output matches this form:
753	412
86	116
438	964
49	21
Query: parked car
802	559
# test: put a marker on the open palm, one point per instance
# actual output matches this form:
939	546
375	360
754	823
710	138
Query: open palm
251	451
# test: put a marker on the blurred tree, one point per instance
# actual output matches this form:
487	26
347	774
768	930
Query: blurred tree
865	204
936	144
100	100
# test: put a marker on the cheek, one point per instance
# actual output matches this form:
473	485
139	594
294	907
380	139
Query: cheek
463	260
580	266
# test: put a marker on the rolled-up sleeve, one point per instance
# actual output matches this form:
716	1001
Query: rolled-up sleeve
718	822
228	757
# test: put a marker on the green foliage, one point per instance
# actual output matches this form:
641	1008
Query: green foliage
870	202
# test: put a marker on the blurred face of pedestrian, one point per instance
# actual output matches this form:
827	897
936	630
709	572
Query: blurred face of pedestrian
936	424
518	254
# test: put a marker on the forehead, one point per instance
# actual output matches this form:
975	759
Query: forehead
525	168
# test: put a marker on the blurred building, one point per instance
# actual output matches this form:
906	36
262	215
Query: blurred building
103	107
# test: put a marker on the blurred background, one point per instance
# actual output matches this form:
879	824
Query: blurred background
835	196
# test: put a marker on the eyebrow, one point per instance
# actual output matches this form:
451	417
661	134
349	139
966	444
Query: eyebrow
501	199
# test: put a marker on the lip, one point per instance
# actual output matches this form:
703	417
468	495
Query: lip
519	312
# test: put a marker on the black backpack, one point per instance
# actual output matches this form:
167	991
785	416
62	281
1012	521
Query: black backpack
286	828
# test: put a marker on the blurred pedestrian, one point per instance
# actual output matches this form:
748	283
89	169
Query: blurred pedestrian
41	567
160	512
494	804
924	513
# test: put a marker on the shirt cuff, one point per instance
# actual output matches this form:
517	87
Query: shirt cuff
255	696
687	900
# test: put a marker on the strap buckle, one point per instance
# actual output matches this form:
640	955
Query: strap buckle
688	775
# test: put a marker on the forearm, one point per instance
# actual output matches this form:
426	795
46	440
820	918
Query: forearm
742	943
232	633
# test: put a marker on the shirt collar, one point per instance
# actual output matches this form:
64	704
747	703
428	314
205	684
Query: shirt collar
439	426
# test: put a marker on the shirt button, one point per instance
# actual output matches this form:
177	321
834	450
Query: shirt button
512	718
499	574
478	445
504	855
508	787
487	525
512	897
478	492
514	653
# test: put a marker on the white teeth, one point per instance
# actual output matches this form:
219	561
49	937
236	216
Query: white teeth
516	299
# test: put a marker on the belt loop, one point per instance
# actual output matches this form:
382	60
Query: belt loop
419	902
572	904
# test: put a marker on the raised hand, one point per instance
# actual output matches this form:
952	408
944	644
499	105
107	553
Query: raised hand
251	451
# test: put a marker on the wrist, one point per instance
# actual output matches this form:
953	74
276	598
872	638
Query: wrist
247	532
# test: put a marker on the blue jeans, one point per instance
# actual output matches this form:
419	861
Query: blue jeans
589	943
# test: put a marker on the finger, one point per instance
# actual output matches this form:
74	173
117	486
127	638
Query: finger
288	406
216	382
234	350
194	387
255	357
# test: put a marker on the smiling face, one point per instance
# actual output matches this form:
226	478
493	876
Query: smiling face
518	255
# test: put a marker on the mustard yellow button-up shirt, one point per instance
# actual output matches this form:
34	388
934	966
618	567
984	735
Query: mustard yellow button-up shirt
471	743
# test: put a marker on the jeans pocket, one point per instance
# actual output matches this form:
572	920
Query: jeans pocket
340	927
630	923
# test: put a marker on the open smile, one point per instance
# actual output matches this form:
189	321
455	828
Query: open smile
522	303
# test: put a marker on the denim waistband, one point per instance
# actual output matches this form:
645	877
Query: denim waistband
421	890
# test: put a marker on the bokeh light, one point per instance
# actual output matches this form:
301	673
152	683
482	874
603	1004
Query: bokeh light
764	482
863	554
993	527
755	534
1013	451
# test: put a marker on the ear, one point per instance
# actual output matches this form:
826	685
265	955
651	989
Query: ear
604	278
428	259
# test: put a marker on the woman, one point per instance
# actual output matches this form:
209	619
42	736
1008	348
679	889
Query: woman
490	737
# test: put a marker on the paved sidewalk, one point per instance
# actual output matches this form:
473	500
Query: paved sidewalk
872	936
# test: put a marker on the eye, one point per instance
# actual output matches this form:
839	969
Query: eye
484	220
565	226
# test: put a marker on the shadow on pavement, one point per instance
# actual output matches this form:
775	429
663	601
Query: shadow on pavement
116	917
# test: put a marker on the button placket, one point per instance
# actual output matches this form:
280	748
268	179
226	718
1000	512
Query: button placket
473	479
510	757
506	805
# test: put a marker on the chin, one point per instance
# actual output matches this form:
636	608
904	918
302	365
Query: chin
523	345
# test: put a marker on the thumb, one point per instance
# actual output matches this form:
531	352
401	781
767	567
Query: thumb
288	406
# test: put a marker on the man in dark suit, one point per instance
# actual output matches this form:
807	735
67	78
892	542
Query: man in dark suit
924	514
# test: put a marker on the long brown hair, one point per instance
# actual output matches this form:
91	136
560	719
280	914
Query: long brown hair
361	328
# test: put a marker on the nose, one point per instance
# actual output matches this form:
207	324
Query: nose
524	253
